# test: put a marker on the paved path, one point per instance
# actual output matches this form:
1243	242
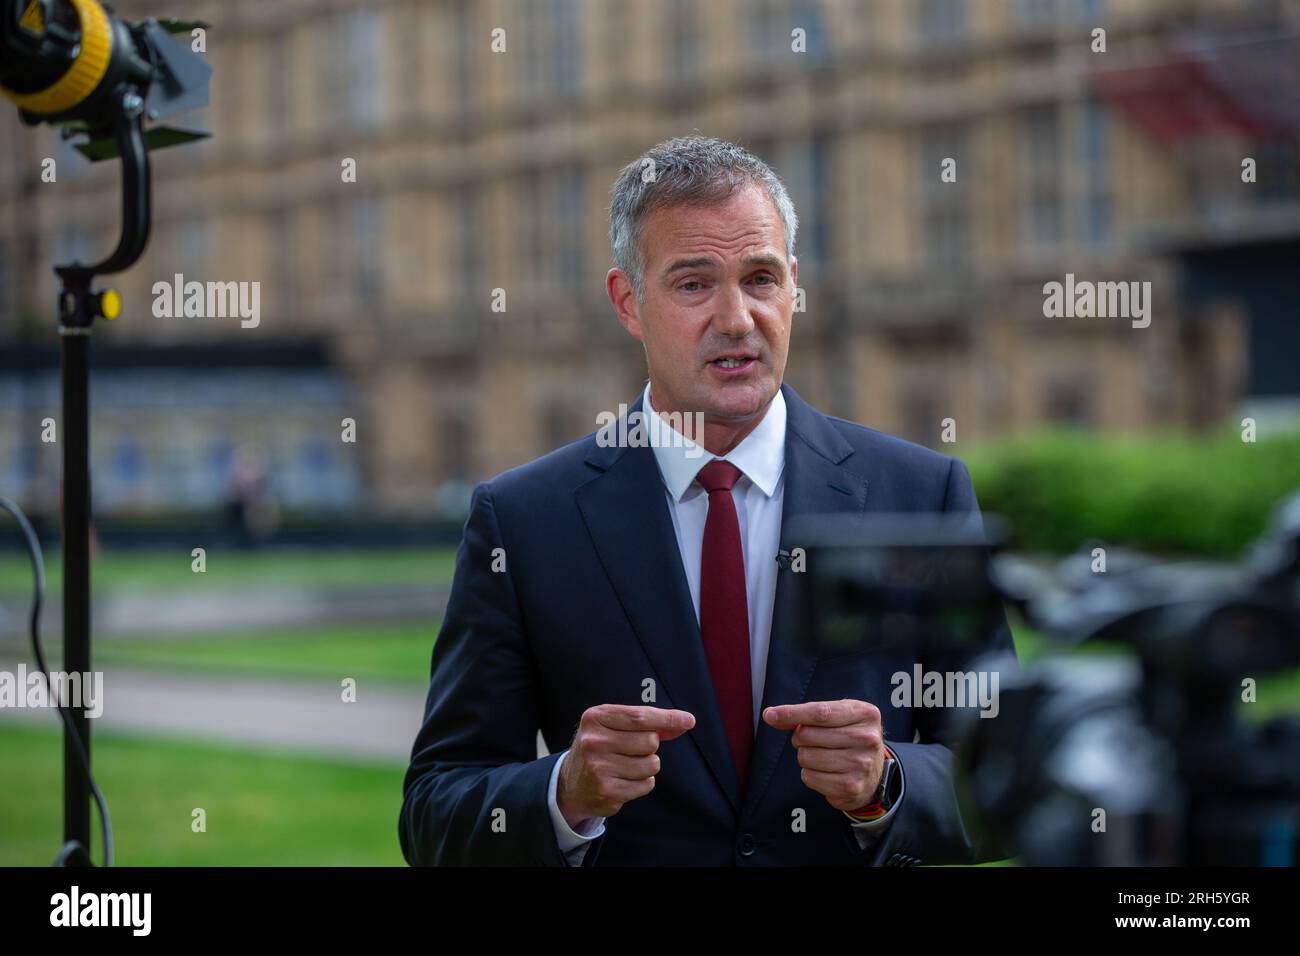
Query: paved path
300	716
177	614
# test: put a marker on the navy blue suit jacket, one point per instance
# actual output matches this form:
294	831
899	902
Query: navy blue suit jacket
593	601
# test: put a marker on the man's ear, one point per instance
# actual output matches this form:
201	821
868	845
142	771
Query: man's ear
619	288
794	272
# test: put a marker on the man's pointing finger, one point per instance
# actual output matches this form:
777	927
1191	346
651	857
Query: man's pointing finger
666	723
817	713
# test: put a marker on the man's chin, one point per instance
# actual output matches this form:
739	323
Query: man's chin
738	402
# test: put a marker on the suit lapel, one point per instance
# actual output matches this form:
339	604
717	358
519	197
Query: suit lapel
641	557
815	483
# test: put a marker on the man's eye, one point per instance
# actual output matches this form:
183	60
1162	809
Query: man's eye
691	282
766	275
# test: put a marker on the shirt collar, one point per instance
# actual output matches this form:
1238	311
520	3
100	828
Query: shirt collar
760	456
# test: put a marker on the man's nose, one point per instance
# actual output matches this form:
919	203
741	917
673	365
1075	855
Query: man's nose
732	317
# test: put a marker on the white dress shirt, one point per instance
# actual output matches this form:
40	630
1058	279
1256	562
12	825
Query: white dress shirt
758	494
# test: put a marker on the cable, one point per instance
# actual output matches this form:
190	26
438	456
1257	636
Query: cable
38	598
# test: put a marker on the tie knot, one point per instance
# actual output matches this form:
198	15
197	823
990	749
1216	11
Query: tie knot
718	475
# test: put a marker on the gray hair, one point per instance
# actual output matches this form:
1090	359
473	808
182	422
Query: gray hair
687	170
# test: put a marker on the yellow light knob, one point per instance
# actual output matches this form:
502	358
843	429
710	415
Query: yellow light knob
110	304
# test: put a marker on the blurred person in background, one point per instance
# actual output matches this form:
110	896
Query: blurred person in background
251	513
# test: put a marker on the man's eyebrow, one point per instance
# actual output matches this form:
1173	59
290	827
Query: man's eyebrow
696	263
699	262
767	259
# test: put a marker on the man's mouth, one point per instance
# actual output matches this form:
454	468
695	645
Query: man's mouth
729	368
732	361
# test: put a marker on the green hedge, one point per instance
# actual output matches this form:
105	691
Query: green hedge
1210	495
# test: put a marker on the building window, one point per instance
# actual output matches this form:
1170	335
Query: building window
528	209
472	266
548	57
332	64
945	206
350	79
465	56
368	249
410	56
617	21
570	215
765	36
1045	13
363	54
683	38
806	171
1035	13
1041	183
276	51
565	20
823	191
807	16
941	21
1097	191
527	50
192	247
552	226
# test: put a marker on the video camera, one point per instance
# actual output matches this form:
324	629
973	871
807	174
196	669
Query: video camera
1136	757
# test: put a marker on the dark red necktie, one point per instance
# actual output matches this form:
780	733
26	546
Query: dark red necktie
724	611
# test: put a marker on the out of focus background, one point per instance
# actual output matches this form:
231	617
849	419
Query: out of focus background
394	173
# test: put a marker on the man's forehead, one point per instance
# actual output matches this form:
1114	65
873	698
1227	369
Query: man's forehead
749	204
751	228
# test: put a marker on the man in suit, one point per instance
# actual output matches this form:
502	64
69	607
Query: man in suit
626	599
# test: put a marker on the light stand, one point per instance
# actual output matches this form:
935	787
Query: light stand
78	307
74	64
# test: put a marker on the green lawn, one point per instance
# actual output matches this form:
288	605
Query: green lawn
266	809
238	569
262	809
394	653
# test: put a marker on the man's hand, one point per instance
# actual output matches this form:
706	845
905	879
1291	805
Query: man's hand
613	758
840	745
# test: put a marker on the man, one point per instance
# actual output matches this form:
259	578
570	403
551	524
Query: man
622	599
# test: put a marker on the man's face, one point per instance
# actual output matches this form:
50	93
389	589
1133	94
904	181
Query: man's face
719	296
